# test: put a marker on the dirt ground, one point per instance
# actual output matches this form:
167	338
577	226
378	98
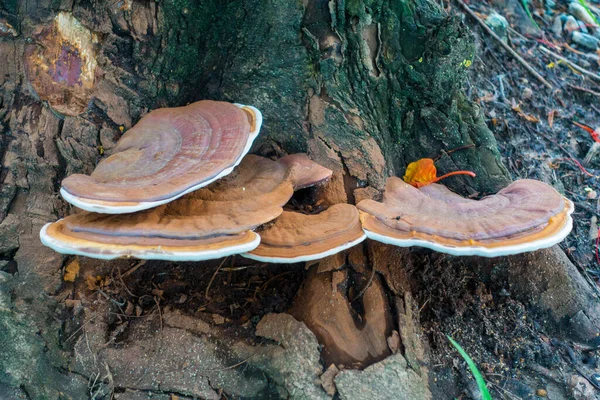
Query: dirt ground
538	140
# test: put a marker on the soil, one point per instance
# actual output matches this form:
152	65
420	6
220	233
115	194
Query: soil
537	140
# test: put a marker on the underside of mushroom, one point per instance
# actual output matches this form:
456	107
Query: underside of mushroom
296	237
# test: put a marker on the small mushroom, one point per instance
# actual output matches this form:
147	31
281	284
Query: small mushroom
169	153
296	237
212	222
305	172
525	216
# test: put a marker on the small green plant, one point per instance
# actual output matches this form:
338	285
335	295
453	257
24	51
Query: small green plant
584	5
485	394
525	4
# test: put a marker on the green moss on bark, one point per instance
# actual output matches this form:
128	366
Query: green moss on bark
392	71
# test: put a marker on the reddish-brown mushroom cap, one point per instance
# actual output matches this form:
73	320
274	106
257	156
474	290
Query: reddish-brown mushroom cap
304	172
295	237
251	196
63	240
169	153
525	216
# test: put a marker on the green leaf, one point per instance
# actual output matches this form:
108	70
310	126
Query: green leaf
526	7
584	4
478	377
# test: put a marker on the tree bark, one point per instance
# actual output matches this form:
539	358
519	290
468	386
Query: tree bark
363	86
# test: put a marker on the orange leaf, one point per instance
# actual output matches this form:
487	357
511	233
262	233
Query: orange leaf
419	172
423	172
71	271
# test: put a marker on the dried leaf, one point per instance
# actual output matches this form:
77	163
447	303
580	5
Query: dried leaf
516	107
551	118
92	282
529	117
71	271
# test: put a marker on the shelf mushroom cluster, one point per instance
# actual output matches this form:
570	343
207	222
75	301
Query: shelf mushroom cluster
180	186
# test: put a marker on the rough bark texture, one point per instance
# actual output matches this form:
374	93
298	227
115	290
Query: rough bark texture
363	86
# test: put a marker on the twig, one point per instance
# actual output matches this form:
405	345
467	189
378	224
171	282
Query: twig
159	313
507	393
424	304
546	373
233	269
585	171
123	282
206	296
503	44
571	63
107	297
584	90
134	268
363	290
264	286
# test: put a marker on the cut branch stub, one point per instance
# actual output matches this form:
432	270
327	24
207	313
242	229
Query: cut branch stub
525	216
169	153
212	222
296	237
61	66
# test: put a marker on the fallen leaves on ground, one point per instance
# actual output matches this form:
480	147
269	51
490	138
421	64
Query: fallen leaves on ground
516	107
71	271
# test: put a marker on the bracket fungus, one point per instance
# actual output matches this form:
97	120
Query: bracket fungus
169	153
525	216
212	222
67	241
296	237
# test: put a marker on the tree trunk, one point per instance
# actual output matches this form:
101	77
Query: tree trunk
363	86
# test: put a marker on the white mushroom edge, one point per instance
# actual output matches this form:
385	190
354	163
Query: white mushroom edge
153	253
144	205
483	251
308	257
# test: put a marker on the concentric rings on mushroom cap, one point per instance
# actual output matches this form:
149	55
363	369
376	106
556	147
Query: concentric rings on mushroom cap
212	222
295	237
169	153
61	239
525	216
